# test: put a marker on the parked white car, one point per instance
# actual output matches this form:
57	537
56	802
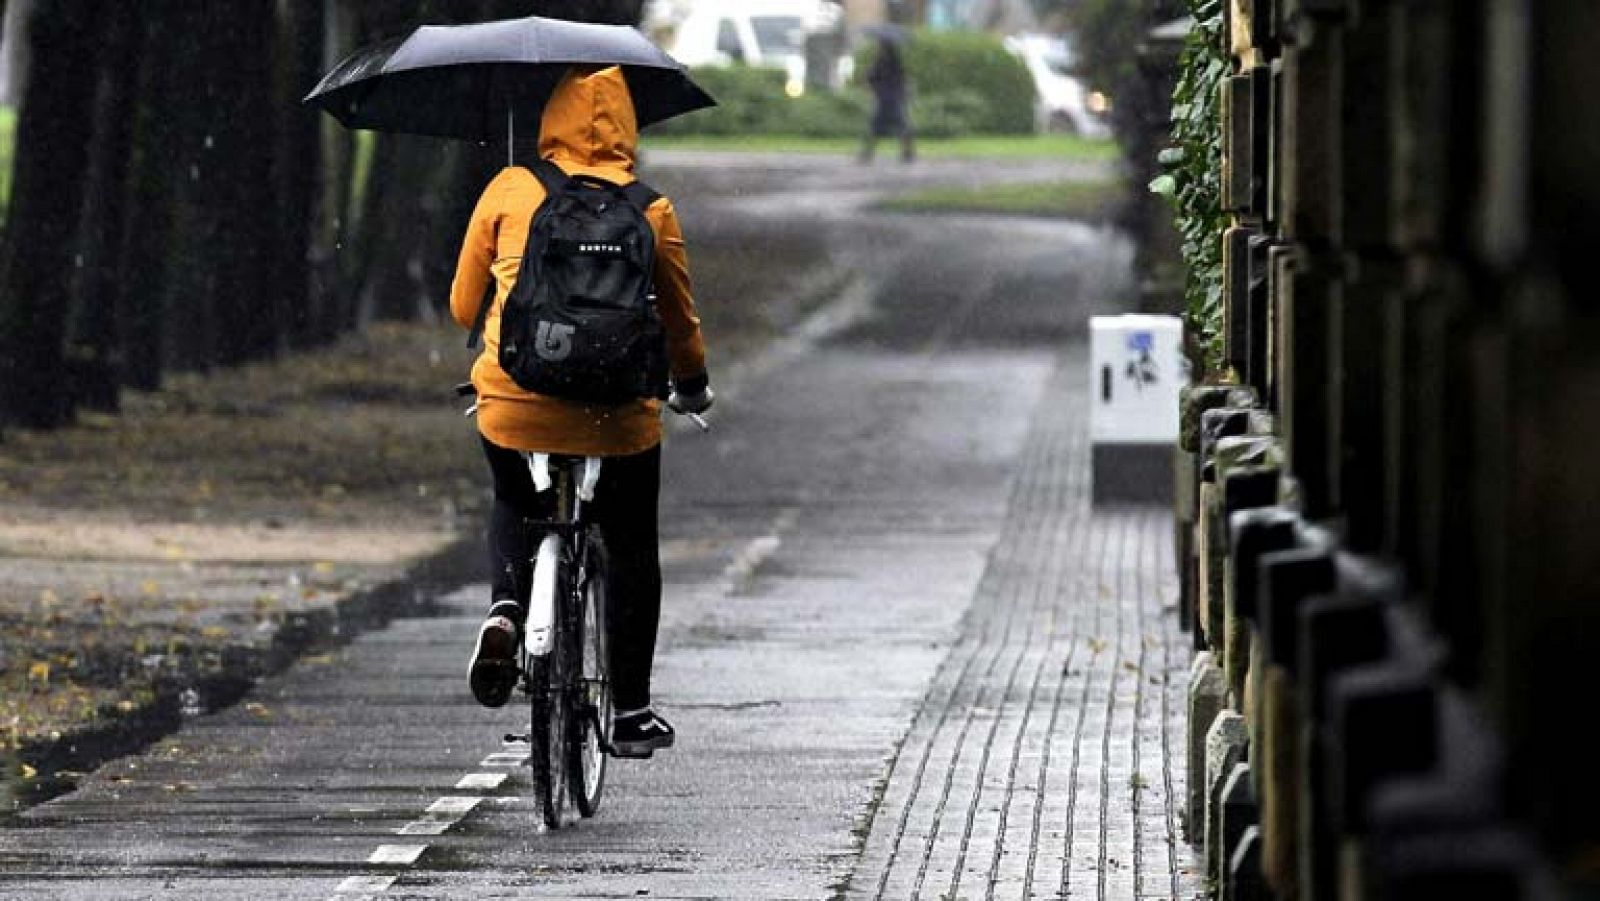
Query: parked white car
1062	103
768	33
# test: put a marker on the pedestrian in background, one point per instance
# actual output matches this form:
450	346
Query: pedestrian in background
890	90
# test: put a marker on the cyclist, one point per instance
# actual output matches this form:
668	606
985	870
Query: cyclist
588	127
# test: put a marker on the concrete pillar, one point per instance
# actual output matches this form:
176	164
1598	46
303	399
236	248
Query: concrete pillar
1244	882
1237	813
1207	696
1225	750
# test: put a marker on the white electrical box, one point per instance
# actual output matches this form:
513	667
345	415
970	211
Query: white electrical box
1136	371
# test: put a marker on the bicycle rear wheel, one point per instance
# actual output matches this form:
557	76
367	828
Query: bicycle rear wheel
590	726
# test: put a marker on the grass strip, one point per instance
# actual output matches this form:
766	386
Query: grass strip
1063	147
1093	201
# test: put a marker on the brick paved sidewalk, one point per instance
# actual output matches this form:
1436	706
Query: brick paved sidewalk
1047	758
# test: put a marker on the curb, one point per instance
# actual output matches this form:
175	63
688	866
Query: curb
58	762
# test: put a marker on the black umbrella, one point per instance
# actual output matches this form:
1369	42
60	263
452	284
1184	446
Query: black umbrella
485	81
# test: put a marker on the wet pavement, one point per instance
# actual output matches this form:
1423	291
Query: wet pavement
904	658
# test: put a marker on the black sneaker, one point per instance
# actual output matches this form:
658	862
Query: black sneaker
639	733
494	661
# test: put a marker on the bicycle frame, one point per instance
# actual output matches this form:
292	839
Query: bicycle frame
563	529
571	706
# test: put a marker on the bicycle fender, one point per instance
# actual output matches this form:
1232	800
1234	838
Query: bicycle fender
536	632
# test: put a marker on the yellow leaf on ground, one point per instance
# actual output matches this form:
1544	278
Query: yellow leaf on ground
150	587
29	773
215	632
39	671
323	566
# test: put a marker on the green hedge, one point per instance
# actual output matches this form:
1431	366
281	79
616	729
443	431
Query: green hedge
1193	180
995	88
752	101
962	83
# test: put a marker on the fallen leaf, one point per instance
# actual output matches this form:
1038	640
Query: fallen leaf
258	709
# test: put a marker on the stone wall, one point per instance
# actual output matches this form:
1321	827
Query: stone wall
1389	521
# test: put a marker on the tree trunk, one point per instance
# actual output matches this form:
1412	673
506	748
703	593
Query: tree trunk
191	289
336	199
93	352
240	210
151	194
53	134
299	163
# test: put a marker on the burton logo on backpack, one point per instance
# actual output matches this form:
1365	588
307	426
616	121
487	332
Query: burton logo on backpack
581	321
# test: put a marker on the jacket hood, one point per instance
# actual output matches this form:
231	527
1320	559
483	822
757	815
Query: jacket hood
589	121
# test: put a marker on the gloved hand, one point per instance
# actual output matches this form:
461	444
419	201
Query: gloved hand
685	404
691	395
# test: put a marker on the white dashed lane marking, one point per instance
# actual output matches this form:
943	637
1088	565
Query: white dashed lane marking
440	816
399	855
360	885
435	820
457	806
481	781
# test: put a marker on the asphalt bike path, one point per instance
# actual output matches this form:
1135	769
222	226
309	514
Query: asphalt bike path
889	623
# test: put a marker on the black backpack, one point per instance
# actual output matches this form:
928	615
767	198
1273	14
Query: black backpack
581	321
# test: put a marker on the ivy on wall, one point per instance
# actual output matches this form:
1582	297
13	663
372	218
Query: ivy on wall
1192	180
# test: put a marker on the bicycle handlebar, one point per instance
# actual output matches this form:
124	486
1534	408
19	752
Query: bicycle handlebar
467	389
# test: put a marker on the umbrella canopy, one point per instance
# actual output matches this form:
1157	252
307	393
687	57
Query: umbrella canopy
465	81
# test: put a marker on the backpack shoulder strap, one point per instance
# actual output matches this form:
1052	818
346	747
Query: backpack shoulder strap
640	195
550	176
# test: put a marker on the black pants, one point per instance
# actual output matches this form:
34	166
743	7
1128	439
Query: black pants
625	508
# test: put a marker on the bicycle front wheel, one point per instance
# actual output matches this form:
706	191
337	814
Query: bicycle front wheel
548	722
590	726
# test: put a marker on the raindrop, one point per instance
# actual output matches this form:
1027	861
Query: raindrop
211	142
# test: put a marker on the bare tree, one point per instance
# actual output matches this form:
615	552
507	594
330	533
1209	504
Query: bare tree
53	136
92	343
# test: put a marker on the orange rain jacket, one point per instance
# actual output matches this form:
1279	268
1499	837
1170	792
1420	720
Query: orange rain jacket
588	128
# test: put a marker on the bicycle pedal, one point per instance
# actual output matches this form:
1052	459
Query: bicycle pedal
512	737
